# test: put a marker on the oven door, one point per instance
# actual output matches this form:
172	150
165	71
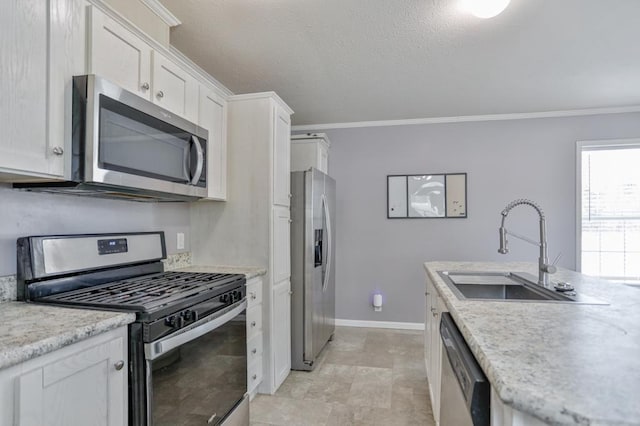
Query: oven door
198	375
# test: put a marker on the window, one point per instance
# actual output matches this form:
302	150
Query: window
609	209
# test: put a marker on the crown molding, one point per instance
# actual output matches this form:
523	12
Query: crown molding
467	118
163	13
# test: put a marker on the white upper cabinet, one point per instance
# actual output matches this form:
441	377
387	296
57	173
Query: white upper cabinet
174	88
37	36
213	117
138	68
117	54
281	157
310	150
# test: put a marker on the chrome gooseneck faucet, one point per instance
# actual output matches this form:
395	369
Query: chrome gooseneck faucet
544	268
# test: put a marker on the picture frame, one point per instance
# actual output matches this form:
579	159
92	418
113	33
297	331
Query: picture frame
427	196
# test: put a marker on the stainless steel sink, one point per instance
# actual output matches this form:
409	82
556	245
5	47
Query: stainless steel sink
513	286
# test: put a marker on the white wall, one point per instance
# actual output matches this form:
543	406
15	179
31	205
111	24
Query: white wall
23	214
504	160
140	15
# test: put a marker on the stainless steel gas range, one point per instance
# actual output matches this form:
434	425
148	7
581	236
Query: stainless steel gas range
187	347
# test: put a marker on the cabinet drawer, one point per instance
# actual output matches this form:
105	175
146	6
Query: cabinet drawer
254	374
254	292
254	348
254	321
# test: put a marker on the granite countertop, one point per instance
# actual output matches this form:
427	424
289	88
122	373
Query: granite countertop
248	271
566	364
30	330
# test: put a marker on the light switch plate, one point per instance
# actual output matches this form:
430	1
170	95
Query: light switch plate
180	241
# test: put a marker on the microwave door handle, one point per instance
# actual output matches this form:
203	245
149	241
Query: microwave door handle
200	155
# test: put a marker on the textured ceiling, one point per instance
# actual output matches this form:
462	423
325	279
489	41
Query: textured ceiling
338	61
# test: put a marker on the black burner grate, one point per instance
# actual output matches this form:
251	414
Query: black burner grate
147	293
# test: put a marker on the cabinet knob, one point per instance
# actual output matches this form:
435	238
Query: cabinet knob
290	292
253	295
290	220
254	351
145	86
160	94
255	376
253	323
57	150
290	195
119	365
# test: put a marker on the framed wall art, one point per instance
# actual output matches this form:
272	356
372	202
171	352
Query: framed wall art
427	196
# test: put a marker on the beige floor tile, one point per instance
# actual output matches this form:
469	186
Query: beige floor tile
328	390
363	377
286	411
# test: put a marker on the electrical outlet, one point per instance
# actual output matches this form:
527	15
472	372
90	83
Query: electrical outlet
180	241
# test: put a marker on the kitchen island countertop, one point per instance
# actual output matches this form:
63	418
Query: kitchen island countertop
566	364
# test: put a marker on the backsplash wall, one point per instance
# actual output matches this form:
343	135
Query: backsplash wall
504	160
23	214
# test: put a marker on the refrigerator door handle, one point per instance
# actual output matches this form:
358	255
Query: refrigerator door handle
325	205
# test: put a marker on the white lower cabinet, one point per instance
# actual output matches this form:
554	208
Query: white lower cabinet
504	415
281	309
81	384
254	335
433	345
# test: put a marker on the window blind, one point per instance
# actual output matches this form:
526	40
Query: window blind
611	212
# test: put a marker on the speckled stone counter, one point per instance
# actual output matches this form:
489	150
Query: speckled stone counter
248	271
30	330
566	364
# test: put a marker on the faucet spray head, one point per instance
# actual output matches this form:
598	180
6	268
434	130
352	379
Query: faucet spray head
503	241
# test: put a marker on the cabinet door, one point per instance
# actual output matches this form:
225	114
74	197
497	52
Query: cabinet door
174	88
212	115
67	58
86	388
118	55
281	331
281	259
23	85
281	157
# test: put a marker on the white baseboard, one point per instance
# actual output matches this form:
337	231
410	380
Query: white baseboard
380	324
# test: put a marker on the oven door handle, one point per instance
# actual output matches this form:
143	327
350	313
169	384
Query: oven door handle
155	349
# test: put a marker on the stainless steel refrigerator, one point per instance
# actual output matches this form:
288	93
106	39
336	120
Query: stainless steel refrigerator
313	303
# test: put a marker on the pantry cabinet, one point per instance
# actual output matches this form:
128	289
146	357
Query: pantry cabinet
81	384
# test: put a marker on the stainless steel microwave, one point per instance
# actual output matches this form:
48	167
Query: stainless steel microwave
127	147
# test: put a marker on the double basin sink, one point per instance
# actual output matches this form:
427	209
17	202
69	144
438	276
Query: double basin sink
515	286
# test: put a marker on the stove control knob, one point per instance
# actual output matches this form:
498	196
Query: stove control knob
224	298
175	321
190	315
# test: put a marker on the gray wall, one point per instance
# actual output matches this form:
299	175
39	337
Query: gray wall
504	160
23	213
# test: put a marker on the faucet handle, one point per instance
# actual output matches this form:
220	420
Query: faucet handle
552	269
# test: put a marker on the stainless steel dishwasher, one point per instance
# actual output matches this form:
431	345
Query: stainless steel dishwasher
465	391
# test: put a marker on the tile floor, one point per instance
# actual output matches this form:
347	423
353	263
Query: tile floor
365	376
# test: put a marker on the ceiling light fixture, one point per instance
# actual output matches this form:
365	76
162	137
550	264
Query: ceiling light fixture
484	8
